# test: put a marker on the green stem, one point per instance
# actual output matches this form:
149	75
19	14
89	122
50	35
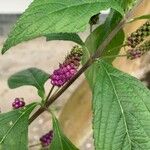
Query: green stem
112	56
49	94
120	46
56	90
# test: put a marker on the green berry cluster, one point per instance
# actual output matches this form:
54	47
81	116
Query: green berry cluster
139	35
138	51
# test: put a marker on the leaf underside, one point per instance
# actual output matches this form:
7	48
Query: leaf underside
121	111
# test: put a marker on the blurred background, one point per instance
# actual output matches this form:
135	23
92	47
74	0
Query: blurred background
9	12
74	106
13	7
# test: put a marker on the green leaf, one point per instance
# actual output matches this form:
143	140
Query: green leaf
97	37
121	111
100	34
141	17
65	36
56	16
128	4
31	76
14	129
60	141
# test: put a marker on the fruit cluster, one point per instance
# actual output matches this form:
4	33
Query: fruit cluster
46	139
18	103
138	51
136	41
139	35
68	68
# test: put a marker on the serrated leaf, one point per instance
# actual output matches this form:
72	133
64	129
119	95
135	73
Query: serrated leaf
121	111
139	18
60	141
56	16
97	37
14	129
32	76
65	36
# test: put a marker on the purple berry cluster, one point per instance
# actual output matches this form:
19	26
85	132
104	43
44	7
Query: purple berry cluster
63	74
68	69
138	51
47	139
18	103
132	54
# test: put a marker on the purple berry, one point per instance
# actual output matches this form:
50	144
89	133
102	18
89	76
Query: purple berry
72	71
68	67
47	139
18	103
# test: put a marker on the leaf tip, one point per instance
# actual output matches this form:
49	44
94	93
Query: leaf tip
9	84
4	49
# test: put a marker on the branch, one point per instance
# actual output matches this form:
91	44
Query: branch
89	62
64	88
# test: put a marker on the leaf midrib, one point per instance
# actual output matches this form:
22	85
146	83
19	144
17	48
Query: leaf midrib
62	137
142	102
134	89
9	130
38	85
119	103
57	129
